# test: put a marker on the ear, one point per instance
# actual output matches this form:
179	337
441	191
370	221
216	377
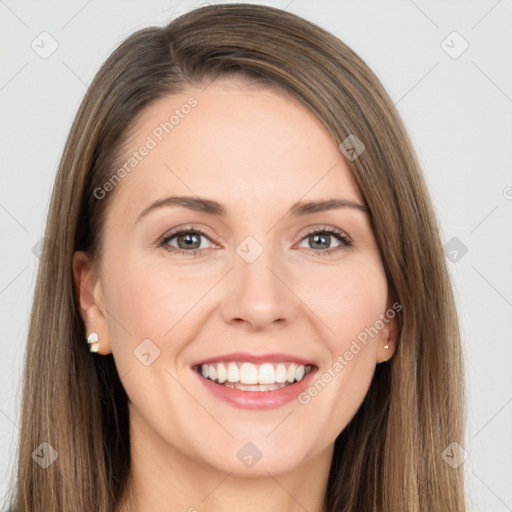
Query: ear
91	301
388	336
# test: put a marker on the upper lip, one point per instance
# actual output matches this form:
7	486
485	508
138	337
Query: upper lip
255	358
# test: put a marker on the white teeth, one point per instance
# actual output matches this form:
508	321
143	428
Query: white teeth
299	373
212	372
259	387
243	387
290	374
250	377
248	374
266	374
233	373
281	373
222	373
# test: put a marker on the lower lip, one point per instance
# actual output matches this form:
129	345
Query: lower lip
257	400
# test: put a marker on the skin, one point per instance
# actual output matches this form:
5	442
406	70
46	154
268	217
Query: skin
256	152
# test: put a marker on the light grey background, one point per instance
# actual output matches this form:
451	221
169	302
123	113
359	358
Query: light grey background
458	111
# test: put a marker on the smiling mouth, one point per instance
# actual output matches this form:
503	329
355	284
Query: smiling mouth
252	377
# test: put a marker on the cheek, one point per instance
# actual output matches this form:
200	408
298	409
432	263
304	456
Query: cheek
350	302
151	298
349	299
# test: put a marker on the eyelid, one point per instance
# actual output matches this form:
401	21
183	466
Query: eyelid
344	239
187	228
326	229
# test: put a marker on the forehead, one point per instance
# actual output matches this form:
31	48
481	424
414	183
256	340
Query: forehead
245	144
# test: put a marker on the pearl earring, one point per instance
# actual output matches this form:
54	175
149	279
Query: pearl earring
386	346
93	342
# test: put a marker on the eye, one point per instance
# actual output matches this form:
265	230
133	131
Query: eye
320	240
188	241
184	241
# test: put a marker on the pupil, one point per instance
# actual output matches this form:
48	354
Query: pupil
317	237
188	240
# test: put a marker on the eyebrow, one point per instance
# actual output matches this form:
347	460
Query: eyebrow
211	207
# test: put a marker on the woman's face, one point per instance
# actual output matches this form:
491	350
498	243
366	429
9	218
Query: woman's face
258	284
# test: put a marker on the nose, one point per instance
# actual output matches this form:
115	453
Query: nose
259	294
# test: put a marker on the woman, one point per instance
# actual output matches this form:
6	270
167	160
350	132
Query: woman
242	301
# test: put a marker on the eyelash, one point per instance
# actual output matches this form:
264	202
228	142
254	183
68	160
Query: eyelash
344	239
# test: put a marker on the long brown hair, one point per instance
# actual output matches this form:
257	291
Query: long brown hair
389	458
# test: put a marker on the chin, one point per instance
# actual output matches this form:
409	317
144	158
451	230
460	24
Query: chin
257	458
